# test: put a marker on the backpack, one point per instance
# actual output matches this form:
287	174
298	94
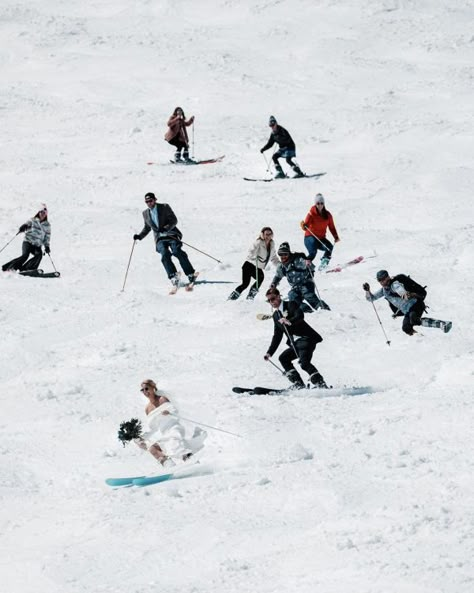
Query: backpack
410	286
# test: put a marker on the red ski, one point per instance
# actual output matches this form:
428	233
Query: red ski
341	267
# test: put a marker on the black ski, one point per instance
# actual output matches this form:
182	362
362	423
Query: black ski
329	391
257	390
39	274
314	175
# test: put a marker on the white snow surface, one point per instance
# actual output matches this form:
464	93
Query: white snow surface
370	494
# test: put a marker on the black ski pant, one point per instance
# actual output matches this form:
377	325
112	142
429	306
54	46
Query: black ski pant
18	263
250	271
179	144
278	155
413	317
304	347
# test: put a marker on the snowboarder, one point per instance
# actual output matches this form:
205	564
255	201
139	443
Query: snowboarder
37	235
162	220
315	225
299	272
288	319
260	253
406	298
177	134
287	148
165	435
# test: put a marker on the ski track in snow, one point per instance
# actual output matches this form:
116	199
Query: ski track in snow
371	493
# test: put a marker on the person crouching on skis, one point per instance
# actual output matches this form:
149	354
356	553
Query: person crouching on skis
406	298
288	320
37	235
165	435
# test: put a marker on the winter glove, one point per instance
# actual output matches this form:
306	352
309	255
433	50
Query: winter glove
23	228
136	238
302	225
366	286
262	151
47	249
337	240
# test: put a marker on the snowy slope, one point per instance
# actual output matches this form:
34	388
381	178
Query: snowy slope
371	493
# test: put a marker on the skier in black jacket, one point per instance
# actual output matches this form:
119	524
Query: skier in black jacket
288	319
286	149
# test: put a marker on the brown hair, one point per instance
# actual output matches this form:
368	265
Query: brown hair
265	228
272	292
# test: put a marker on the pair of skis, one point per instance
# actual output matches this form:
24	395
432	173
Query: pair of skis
305	176
39	274
321	391
189	287
191	162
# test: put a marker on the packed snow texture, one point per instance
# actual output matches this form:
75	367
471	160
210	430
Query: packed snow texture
371	494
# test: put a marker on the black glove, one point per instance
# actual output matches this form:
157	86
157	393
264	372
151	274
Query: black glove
23	228
366	286
47	249
136	238
262	151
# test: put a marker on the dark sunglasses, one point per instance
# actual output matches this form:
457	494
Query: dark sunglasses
143	389
150	200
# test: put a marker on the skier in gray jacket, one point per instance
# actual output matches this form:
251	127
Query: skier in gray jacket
299	272
161	219
37	235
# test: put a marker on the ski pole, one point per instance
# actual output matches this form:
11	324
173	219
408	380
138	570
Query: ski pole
130	259
317	238
192	141
381	325
52	263
5	246
256	273
203	252
234	434
315	287
266	163
276	366
290	339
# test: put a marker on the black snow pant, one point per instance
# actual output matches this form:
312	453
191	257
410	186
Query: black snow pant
18	263
250	271
305	347
413	317
180	145
278	154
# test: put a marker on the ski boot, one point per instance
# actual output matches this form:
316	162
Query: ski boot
444	325
279	172
174	284
298	171
186	158
177	157
296	380
317	380
323	263
252	293
191	281
234	295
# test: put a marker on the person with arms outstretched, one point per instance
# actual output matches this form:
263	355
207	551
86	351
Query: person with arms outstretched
161	219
